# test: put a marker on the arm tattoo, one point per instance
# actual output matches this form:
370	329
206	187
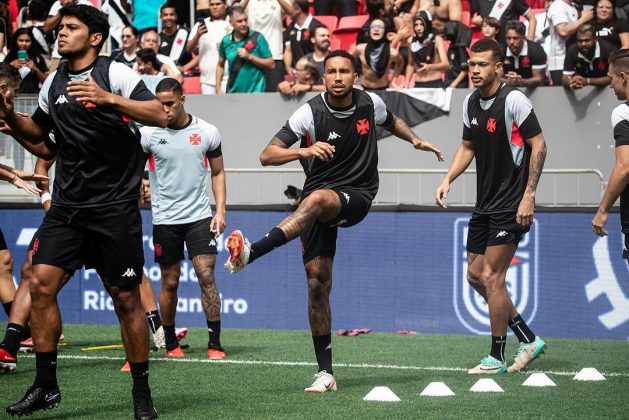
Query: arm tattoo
535	169
402	130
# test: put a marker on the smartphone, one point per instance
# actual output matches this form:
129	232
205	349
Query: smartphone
587	7
22	55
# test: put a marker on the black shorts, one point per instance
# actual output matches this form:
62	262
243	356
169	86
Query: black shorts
625	252
168	241
493	229
3	242
319	240
108	239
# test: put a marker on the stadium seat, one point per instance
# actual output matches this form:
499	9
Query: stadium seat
353	22
537	11
465	5
96	3
328	20
465	17
192	85
335	44
345	37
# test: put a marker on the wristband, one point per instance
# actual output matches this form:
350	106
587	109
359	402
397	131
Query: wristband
45	197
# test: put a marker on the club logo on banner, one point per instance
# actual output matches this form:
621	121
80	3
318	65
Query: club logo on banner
471	309
606	283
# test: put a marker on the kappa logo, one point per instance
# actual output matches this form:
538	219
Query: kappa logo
362	126
333	135
606	284
195	139
61	99
162	141
346	195
129	273
474	122
491	125
522	279
501	234
213	242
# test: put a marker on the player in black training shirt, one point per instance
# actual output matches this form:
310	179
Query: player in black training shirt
337	135
94	219
501	131
618	185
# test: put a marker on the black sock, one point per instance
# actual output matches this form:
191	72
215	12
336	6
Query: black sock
498	347
323	351
7	308
27	332
275	238
171	337
140	375
214	330
46	364
12	337
155	321
521	330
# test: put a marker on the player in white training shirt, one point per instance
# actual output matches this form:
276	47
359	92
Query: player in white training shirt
179	156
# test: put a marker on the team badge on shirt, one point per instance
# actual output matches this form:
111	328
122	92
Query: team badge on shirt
362	126
491	125
195	139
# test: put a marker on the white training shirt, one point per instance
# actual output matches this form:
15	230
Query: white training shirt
209	44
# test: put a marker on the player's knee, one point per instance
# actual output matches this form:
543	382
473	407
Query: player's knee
492	280
318	199
41	289
26	271
171	284
473	277
6	262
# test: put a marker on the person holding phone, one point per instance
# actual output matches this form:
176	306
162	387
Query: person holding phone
27	56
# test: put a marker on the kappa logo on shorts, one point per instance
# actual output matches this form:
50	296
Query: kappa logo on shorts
606	283
129	273
213	242
522	278
346	195
501	234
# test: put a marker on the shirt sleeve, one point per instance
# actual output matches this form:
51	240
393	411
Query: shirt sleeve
620	124
467	130
379	108
262	49
221	49
538	58
214	146
522	114
42	101
127	83
54	9
145	139
558	15
570	62
194	30
296	128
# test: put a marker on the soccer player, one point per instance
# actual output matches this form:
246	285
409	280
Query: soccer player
178	158
501	131
338	151
618	185
94	218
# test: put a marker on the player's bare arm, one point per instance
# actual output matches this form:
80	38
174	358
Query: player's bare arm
462	158
23	128
526	208
145	112
277	153
219	190
42	167
617	183
400	129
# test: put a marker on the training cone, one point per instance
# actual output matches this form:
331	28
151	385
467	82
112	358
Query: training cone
589	374
437	389
486	385
538	379
381	393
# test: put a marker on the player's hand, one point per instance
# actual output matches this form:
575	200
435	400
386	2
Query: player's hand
524	216
442	193
321	150
217	225
23	185
6	106
30	176
599	222
87	91
428	147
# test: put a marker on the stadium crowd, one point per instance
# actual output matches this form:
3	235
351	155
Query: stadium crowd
246	46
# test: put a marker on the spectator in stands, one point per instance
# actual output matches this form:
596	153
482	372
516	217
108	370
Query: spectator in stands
343	7
119	16
207	35
297	35
267	18
174	38
305	79
150	68
6	24
145	14
127	54
490	28
248	55
603	22
376	56
36	16
523	61
459	35
321	42
150	39
563	21
376	9
53	14
440	11
504	11
542	31
427	58
587	61
33	68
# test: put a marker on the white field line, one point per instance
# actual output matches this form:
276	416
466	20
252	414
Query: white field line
338	365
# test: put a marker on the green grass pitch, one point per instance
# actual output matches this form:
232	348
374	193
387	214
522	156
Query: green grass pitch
267	370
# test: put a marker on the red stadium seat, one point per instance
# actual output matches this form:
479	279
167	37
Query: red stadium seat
95	3
329	21
335	44
465	17
346	37
353	22
192	85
